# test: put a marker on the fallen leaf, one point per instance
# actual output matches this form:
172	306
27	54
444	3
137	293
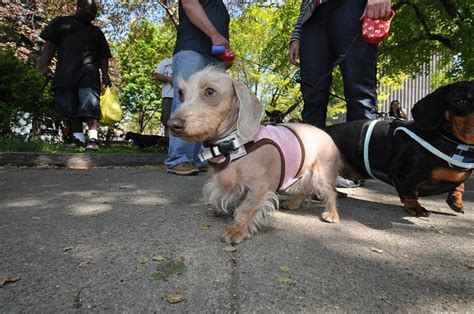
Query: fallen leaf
9	279
230	248
470	266
67	248
347	270
83	264
174	298
143	259
286	280
376	250
284	269
158	258
204	226
404	255
386	301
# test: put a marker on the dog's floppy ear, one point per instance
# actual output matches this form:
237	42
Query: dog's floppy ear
250	111
428	112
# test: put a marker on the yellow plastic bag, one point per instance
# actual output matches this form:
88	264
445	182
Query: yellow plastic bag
110	108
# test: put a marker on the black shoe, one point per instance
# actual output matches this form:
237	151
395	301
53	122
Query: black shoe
92	144
76	143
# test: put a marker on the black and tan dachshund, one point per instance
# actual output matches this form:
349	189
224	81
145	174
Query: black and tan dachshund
147	140
431	155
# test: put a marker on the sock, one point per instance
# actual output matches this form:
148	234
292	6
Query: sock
79	136
93	134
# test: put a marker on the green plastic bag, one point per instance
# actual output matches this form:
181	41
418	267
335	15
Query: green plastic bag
110	108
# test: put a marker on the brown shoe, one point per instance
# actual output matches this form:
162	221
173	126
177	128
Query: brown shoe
184	169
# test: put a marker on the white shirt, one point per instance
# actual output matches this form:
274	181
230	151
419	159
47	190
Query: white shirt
164	68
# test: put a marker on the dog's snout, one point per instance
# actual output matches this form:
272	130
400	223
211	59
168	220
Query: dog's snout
176	125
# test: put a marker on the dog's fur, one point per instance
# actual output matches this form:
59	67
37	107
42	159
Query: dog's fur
411	169
213	106
147	140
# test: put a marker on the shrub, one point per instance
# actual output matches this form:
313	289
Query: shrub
21	87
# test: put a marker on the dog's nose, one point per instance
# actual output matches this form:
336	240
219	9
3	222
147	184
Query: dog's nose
176	125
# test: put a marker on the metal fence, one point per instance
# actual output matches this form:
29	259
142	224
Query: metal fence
412	90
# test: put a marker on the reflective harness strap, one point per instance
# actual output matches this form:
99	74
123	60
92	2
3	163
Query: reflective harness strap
437	152
366	147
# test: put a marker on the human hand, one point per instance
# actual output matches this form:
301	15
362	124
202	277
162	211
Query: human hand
219	40
295	53
377	9
106	80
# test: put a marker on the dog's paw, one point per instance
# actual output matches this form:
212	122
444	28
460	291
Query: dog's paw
414	208
455	203
235	234
417	211
332	217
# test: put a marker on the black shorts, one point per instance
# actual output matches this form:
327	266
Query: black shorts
77	103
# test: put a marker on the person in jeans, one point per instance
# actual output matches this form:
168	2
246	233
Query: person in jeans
82	55
201	24
326	29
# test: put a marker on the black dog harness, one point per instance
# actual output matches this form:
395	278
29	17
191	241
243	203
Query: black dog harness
379	138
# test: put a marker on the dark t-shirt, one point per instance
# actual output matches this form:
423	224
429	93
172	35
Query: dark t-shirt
80	46
192	38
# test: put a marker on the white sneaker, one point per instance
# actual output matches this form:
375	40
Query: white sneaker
346	183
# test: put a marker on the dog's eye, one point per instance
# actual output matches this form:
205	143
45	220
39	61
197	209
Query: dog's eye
180	96
209	92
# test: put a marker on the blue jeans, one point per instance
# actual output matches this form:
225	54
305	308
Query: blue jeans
325	36
186	63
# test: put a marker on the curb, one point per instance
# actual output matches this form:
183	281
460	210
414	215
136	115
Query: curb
79	160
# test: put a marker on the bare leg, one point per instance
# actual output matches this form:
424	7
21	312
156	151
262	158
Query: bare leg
93	124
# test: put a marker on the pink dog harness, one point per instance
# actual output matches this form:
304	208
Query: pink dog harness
289	146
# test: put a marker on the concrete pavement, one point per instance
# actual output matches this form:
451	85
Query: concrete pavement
94	240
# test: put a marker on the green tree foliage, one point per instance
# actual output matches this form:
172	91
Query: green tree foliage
422	29
259	35
138	55
21	87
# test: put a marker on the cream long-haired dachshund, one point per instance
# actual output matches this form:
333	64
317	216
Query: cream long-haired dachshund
253	162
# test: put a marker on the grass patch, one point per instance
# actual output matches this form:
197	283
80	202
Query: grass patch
19	145
168	268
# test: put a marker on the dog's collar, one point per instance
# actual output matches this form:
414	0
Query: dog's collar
232	144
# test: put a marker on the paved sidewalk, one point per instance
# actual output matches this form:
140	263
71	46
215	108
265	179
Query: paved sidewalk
97	240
